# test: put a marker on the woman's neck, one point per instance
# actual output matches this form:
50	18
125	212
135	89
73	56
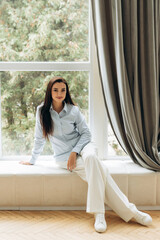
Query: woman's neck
57	106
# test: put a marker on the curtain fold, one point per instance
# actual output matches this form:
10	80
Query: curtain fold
127	35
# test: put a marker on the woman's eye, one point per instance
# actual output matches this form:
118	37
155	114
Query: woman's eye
55	90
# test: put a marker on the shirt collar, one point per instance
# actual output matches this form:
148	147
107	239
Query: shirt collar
64	108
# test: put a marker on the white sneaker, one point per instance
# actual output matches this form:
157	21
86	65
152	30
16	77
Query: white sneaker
100	222
143	218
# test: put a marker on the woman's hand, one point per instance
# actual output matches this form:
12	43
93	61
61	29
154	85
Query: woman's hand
71	164
25	163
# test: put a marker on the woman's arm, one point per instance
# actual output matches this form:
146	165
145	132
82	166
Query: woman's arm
39	140
85	134
85	137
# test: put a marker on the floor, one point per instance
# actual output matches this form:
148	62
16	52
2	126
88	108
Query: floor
68	225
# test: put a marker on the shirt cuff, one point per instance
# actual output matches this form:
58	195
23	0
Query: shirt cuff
32	161
76	149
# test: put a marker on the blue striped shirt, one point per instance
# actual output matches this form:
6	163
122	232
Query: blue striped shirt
71	133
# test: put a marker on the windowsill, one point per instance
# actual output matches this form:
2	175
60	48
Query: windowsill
115	165
122	158
26	158
50	158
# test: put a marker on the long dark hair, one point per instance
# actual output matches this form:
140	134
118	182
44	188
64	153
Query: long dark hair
45	116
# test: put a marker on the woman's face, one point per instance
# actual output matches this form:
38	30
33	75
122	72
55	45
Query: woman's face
58	92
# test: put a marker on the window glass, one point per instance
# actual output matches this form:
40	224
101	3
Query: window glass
21	93
44	30
114	149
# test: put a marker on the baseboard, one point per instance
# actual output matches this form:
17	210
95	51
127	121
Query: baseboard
69	208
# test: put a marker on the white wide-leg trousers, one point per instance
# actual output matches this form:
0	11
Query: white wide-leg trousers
102	189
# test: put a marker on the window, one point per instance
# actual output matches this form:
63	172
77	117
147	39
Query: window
40	39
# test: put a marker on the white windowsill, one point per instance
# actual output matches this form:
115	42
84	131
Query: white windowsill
50	158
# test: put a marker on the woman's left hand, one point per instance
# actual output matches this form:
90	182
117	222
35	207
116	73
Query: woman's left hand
71	164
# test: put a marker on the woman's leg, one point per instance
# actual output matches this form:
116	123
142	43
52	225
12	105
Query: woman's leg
91	174
89	171
102	188
96	190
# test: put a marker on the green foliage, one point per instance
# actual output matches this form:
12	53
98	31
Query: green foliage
41	30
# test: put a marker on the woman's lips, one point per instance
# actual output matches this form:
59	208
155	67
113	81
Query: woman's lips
59	97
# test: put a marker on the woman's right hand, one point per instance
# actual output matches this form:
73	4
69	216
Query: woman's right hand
25	163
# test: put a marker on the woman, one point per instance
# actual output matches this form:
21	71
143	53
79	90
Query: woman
61	122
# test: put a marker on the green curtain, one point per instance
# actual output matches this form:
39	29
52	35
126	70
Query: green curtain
127	35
